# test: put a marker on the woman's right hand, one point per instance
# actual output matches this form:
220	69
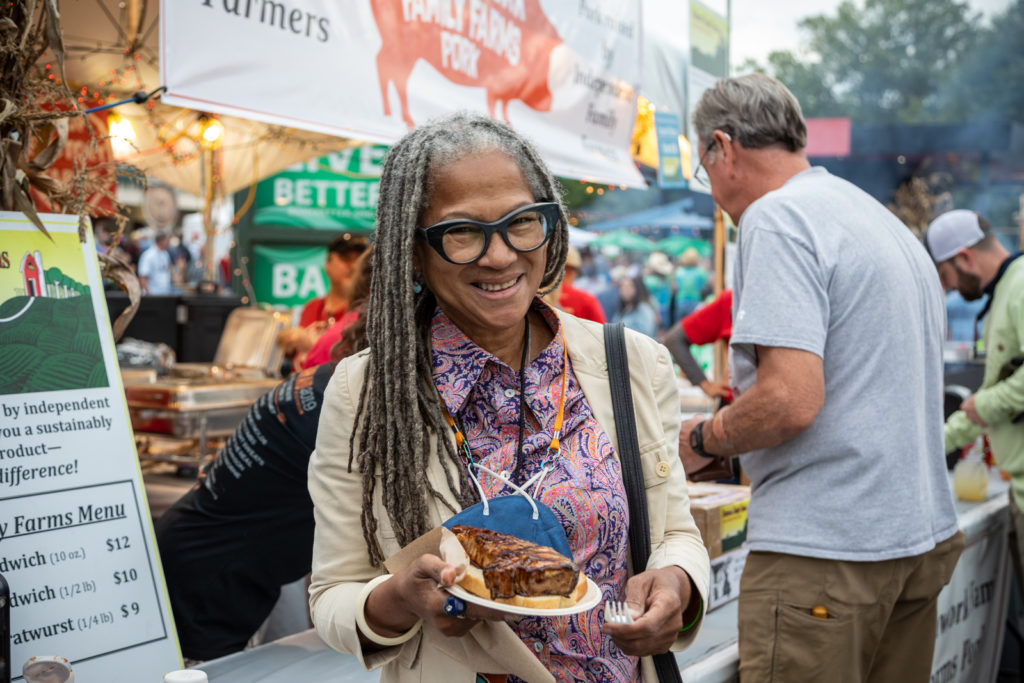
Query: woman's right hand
416	593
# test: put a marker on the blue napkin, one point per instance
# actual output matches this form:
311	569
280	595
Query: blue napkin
513	515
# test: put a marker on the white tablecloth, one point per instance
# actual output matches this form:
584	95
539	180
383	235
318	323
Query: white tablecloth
304	657
713	657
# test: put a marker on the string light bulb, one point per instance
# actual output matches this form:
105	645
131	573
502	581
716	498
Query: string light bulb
122	135
211	131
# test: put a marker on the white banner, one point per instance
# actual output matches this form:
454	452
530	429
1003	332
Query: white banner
76	540
563	73
972	607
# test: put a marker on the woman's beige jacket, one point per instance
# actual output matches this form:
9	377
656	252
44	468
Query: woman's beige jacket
341	564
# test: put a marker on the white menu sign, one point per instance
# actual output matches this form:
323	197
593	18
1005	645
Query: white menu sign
76	539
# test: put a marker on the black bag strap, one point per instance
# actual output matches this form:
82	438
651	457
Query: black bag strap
632	473
629	448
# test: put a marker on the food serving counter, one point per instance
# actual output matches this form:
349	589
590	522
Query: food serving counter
972	611
176	417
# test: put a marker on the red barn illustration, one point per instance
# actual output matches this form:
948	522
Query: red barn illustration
32	273
503	46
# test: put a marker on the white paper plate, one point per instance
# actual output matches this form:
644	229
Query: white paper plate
589	600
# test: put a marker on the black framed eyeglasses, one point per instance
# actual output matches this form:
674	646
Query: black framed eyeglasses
463	241
700	174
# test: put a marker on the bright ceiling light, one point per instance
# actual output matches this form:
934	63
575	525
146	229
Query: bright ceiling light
211	131
122	135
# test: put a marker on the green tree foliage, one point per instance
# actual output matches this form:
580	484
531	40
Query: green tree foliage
906	61
807	80
990	82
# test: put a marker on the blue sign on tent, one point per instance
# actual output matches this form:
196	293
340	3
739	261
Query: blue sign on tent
670	161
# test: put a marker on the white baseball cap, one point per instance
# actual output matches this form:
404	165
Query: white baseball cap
951	232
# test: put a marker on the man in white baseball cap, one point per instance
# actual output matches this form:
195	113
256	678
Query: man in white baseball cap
953	231
965	251
971	260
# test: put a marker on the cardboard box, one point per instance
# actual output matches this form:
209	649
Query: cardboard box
720	511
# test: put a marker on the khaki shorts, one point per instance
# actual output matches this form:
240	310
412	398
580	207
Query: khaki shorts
877	619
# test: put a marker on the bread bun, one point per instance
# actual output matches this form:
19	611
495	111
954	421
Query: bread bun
473	582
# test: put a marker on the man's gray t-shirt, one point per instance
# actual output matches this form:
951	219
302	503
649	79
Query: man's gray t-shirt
825	268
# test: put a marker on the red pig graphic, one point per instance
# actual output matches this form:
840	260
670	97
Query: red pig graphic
503	46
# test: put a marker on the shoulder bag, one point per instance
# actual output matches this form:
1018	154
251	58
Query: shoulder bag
632	472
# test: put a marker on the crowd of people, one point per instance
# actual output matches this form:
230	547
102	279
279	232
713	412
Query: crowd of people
466	341
648	293
166	262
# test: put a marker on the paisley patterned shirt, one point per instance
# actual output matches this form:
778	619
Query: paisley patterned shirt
584	488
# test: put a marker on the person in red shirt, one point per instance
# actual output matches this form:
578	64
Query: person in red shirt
360	292
706	325
578	302
342	253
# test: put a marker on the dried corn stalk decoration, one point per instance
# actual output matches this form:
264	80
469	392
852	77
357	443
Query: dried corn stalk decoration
35	106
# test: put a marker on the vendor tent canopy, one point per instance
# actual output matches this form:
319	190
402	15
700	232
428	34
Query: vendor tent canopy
168	146
660	221
675	245
111	53
624	240
579	237
112	49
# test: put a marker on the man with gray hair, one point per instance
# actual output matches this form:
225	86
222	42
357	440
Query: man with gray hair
970	259
836	357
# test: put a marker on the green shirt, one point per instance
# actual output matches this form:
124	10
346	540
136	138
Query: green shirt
1001	396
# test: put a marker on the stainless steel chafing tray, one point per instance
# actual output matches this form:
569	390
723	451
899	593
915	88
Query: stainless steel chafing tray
193	408
190	394
207	400
247	347
138	375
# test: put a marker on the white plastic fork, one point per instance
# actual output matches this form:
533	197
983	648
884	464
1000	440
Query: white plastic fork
617	612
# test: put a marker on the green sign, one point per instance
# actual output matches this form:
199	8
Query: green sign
334	192
709	40
288	276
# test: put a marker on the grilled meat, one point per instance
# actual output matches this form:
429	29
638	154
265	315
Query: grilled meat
512	566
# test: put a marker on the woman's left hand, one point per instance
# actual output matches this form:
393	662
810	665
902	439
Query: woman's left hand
656	599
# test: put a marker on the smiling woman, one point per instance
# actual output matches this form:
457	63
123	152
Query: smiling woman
487	297
468	372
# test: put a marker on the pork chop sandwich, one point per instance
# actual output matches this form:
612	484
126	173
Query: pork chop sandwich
510	570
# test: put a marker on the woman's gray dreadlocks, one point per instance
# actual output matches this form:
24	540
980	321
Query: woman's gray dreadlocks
398	407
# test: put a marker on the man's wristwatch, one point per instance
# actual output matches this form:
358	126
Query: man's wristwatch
697	441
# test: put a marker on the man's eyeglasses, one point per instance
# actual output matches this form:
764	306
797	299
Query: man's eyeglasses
463	241
700	174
